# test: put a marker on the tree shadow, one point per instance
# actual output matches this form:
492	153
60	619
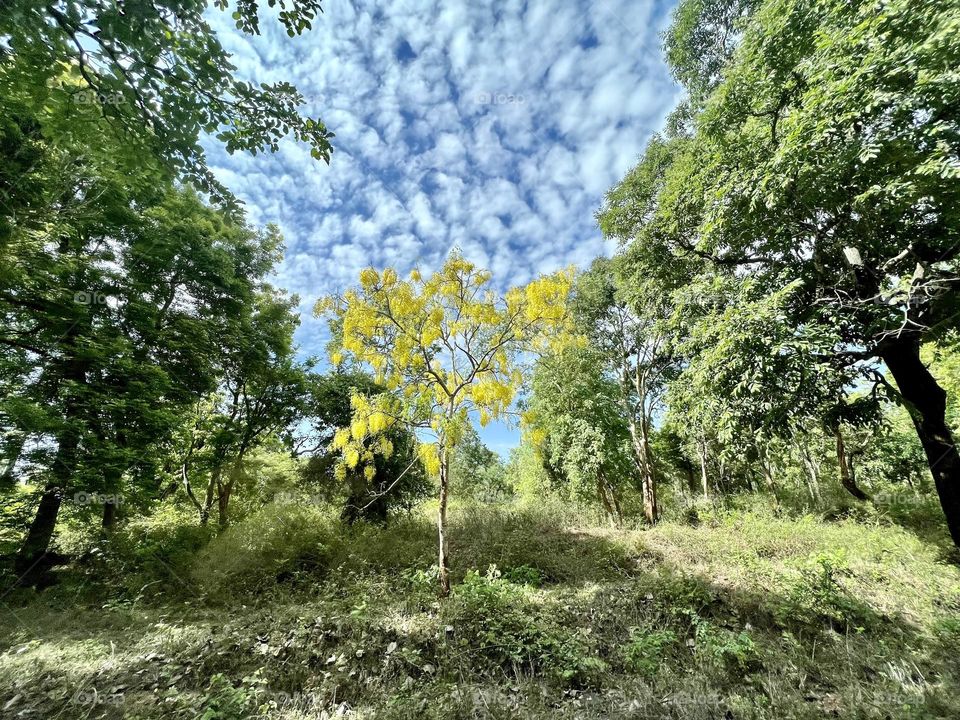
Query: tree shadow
806	650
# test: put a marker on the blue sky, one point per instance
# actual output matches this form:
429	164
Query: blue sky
494	127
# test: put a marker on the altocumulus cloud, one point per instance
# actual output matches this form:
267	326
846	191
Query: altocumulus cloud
494	127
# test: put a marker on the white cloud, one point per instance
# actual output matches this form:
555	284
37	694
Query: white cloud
498	134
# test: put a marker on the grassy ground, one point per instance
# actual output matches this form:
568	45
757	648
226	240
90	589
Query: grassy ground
290	615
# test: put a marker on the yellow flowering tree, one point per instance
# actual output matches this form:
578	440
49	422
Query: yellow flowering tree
446	348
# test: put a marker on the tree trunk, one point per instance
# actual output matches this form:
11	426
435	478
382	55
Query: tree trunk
642	458
691	481
703	469
223	505
208	498
442	520
113	476
225	490
109	514
604	500
767	469
32	562
927	403
846	474
813	480
616	504
650	509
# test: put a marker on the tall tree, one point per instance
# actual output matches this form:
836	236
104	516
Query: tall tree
262	393
399	480
627	326
446	347
822	176
477	469
114	305
576	419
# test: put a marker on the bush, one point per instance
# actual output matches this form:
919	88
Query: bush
817	594
644	653
496	619
729	649
276	543
147	549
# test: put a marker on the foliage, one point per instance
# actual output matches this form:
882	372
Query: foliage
575	417
819	595
493	617
804	220
399	480
120	304
644	652
445	347
157	74
476	470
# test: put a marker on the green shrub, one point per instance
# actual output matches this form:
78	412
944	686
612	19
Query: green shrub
523	575
224	701
543	539
644	653
276	543
727	648
818	595
154	548
496	619
682	594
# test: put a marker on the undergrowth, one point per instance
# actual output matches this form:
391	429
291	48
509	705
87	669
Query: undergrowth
290	614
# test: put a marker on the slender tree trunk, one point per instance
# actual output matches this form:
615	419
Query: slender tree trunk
642	458
927	403
691	481
208	498
223	505
846	474
650	509
225	491
616	504
442	520
813	479
767	469
113	477
604	500
29	564
704	480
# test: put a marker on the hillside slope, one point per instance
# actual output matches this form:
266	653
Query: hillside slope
290	615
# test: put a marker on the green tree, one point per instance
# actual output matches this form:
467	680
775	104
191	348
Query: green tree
578	424
399	481
262	393
477	469
156	73
114	306
627	326
820	181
